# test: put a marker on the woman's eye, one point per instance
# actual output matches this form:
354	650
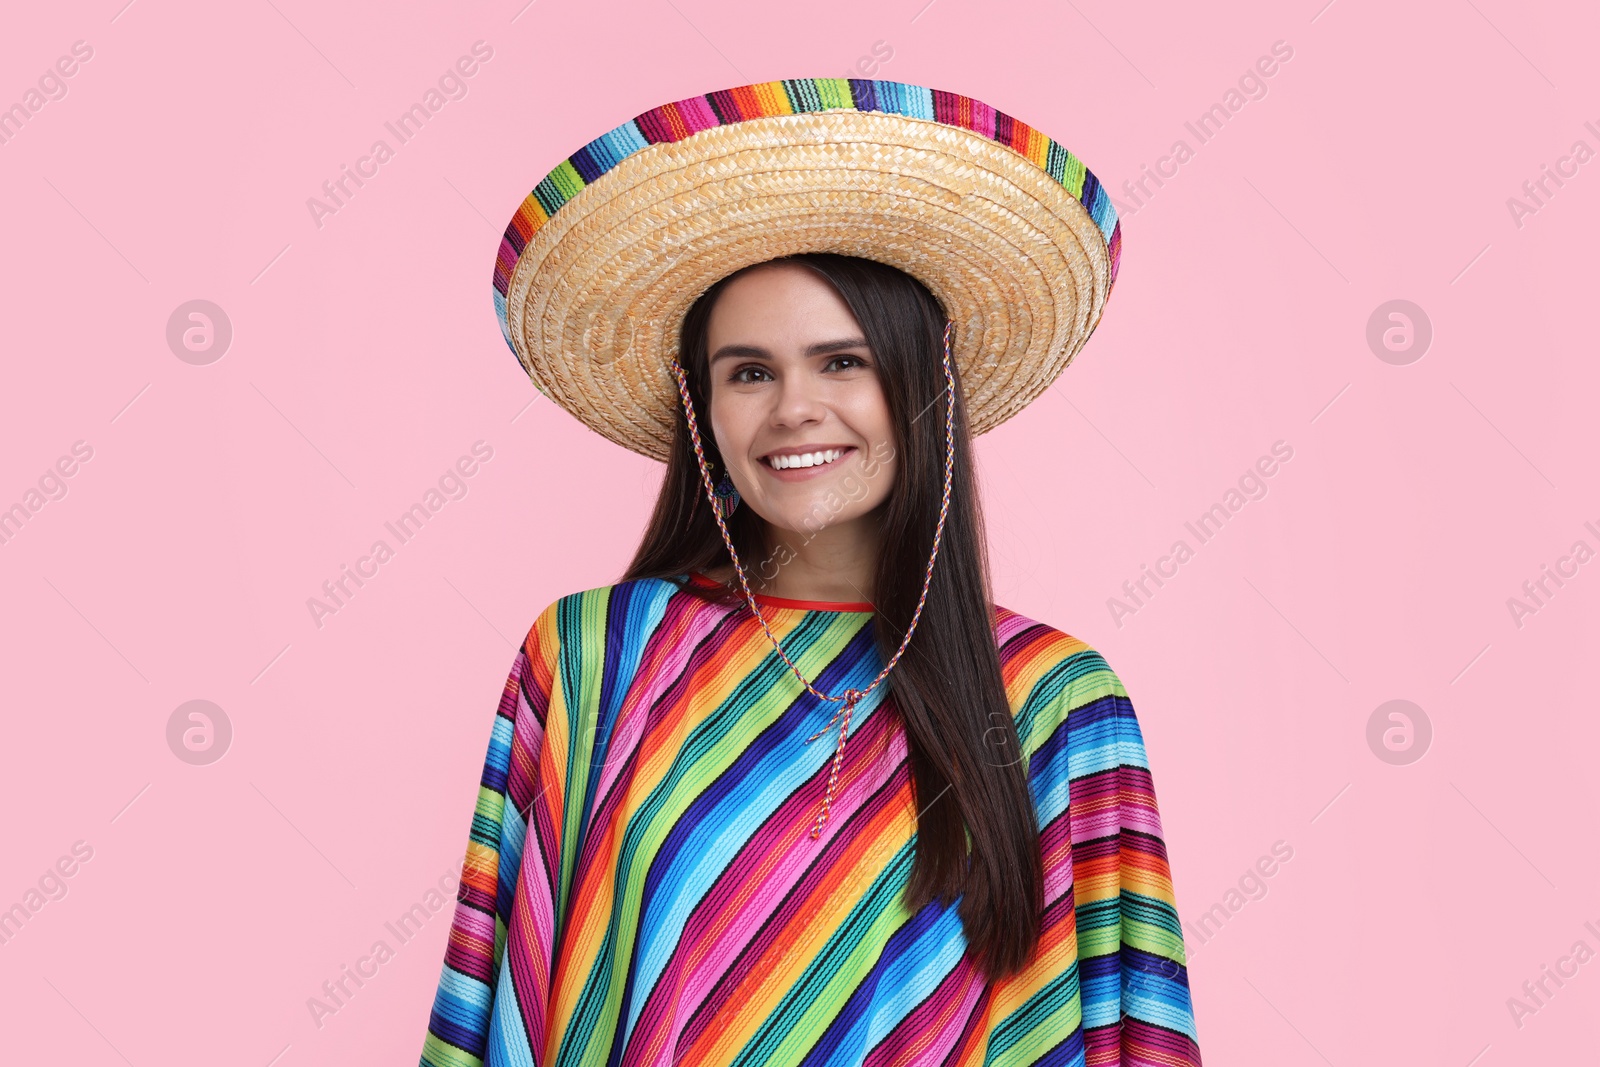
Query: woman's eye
743	374
738	375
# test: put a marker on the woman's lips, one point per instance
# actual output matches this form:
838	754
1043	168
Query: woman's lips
801	474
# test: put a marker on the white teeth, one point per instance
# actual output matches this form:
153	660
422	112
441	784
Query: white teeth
805	459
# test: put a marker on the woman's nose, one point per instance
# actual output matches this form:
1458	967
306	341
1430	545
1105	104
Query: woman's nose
798	400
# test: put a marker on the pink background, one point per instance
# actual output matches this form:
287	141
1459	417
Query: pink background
366	358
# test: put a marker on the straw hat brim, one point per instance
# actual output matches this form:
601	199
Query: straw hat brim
594	302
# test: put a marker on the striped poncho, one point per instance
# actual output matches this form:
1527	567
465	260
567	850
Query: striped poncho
641	887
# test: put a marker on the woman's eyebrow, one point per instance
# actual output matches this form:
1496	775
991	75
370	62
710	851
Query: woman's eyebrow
757	352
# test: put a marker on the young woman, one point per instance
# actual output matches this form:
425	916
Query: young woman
665	866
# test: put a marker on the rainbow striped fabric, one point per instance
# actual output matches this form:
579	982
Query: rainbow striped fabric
683	118
641	886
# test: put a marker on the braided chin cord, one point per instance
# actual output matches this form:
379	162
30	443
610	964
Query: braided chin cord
850	697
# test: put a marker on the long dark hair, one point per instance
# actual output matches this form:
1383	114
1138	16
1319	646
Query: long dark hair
964	753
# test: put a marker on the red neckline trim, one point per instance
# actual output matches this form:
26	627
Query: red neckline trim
786	602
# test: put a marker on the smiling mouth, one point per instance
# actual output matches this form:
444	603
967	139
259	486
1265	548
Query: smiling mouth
803	460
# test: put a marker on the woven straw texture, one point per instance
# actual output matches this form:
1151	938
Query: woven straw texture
1010	231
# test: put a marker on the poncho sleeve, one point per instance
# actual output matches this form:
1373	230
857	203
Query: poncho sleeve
1106	873
494	989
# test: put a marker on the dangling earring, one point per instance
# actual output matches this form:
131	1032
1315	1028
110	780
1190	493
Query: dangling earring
727	498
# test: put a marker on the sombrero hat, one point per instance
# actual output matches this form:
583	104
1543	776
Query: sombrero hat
1009	230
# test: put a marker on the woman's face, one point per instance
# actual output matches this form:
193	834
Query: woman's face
791	376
